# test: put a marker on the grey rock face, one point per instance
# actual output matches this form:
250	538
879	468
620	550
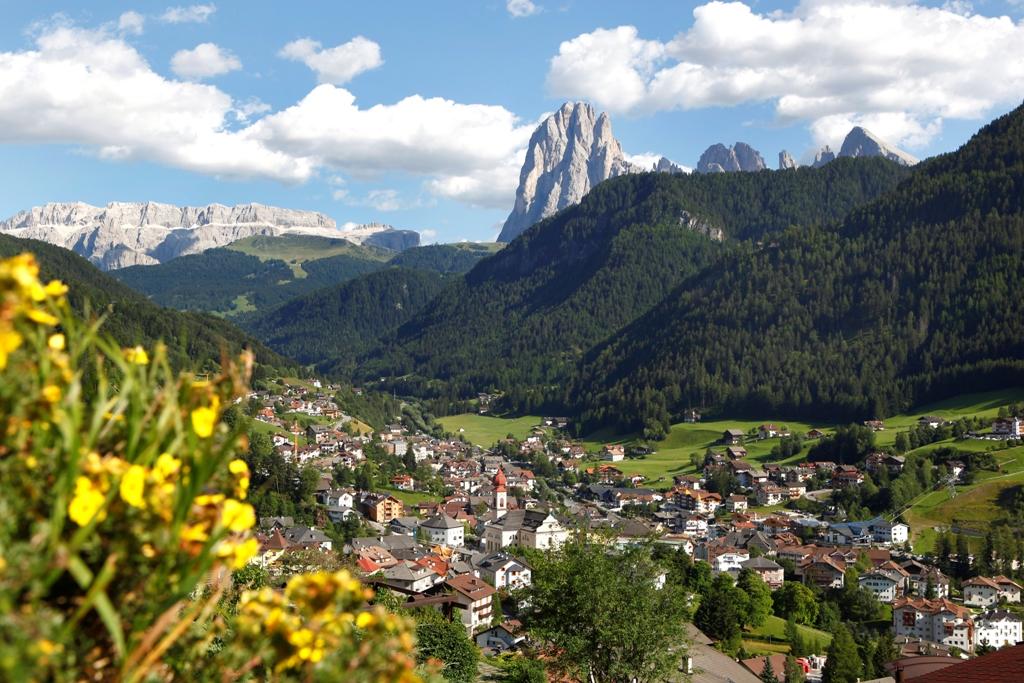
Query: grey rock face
861	142
699	225
142	233
570	152
824	155
395	240
786	161
666	165
740	157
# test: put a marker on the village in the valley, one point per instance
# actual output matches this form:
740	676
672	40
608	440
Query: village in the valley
439	521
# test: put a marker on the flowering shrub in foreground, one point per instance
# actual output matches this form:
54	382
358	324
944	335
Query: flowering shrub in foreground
123	514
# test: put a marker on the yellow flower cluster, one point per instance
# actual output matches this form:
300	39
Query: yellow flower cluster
153	489
24	296
216	514
204	418
323	614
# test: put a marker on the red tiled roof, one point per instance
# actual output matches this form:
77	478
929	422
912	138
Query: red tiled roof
472	587
1002	665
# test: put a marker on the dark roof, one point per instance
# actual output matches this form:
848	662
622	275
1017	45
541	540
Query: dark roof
441	522
760	563
1002	665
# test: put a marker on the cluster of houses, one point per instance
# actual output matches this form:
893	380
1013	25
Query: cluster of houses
457	551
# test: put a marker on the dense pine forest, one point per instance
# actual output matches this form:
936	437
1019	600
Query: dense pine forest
332	326
522	320
194	340
914	297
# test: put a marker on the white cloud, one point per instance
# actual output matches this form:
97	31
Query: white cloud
428	236
902	65
92	89
384	200
423	136
521	8
337	65
193	14
131	23
204	61
646	161
87	88
249	108
487	188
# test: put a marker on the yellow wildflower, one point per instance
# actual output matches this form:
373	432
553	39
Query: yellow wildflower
203	421
136	355
9	341
364	619
133	483
55	288
237	516
205	499
41	317
22	269
239	553
56	342
166	465
51	392
195	533
241	472
87	502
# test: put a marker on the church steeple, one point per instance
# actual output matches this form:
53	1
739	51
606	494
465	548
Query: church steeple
500	500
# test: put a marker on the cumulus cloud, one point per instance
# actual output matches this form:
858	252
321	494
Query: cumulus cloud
87	88
337	65
486	188
901	65
521	8
92	89
131	23
428	236
193	14
426	136
204	61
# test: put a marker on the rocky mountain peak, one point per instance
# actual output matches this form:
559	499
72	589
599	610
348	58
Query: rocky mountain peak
570	152
824	155
786	161
860	142
721	159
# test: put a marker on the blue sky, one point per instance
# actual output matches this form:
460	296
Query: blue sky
95	105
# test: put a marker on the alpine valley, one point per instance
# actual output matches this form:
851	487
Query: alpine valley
858	285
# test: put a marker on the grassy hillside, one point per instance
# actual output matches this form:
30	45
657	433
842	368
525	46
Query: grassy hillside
446	258
194	340
254	274
295	250
486	430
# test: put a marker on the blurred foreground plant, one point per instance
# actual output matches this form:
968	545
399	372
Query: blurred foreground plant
123	515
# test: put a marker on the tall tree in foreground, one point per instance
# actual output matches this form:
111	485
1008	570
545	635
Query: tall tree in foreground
843	665
600	613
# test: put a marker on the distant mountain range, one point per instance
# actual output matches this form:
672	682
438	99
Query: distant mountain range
574	150
125	234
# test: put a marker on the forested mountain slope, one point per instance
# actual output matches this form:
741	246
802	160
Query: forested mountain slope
331	326
193	340
446	258
913	297
521	320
